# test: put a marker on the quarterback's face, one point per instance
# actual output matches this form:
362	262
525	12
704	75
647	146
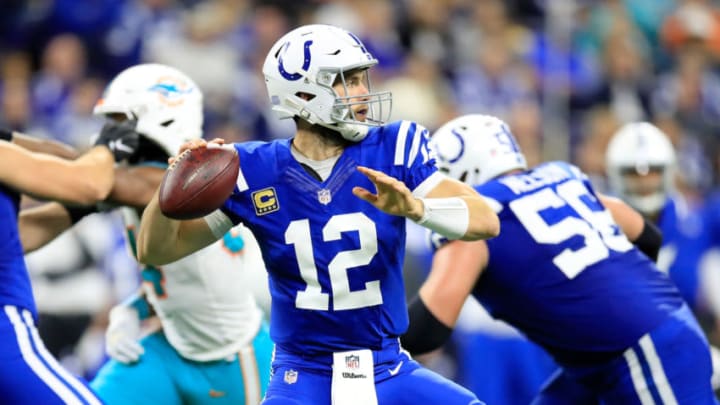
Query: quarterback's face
355	87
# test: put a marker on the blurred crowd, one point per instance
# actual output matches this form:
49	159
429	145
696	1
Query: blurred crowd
565	75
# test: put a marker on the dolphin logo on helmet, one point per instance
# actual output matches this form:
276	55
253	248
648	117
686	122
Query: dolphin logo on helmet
166	103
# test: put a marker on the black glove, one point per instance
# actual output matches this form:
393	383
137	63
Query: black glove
121	138
6	134
76	213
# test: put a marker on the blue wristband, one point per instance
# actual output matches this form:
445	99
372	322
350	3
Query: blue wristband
140	304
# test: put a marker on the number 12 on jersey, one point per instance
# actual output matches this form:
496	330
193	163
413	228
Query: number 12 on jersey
298	235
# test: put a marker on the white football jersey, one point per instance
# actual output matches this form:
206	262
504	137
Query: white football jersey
207	300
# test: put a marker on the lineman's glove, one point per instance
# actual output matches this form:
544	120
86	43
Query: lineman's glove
121	138
122	335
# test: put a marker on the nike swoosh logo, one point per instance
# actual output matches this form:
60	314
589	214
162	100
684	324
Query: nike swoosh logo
119	145
395	370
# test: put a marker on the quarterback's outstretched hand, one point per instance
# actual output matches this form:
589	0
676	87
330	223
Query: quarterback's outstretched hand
393	197
121	337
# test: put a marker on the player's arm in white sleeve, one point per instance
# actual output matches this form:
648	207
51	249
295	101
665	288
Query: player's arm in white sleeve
450	203
162	240
450	207
641	232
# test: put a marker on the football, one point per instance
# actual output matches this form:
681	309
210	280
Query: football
198	182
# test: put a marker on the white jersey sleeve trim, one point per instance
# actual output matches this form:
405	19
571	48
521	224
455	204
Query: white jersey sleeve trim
415	144
241	182
400	143
219	223
428	184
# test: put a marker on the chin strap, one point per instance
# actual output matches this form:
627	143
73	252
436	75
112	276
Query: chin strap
351	132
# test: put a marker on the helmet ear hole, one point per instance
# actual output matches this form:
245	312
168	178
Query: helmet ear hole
463	176
305	96
167	123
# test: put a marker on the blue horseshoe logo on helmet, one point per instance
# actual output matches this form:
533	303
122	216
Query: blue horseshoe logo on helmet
505	137
305	66
461	152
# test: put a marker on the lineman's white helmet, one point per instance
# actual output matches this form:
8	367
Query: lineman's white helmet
638	148
166	103
309	60
475	148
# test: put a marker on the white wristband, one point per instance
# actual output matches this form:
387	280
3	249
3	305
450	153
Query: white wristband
447	216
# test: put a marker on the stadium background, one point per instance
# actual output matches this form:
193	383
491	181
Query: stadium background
564	74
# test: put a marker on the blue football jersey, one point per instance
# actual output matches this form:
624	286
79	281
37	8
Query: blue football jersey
334	261
561	270
711	218
684	240
15	286
685	236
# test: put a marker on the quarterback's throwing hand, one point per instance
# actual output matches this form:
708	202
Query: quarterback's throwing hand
195	144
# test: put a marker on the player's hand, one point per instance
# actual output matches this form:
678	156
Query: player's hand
122	335
121	138
393	197
195	144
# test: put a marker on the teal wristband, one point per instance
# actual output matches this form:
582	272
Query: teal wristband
140	304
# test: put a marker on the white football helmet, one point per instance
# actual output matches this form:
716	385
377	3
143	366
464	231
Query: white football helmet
475	148
637	148
309	60
166	103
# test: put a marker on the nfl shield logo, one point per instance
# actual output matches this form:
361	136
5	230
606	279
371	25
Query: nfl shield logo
324	196
290	376
352	361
